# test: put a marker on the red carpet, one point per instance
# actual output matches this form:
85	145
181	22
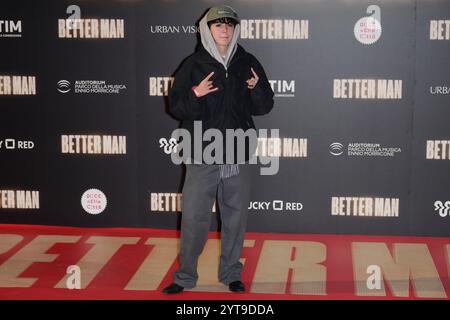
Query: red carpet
118	263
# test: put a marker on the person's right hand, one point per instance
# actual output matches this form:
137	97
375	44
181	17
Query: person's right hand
205	87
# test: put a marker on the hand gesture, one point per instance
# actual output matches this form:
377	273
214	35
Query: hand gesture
205	87
251	83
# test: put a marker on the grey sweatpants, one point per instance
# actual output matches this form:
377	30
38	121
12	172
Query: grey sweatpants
201	185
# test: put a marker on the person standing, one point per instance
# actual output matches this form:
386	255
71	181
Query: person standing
223	86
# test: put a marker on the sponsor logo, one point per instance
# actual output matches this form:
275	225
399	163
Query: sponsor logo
173	29
367	89
282	147
336	148
288	29
168	146
63	86
276	205
13	144
17	85
93	201
283	88
19	199
90	87
438	150
367	30
159	86
363	149
439	29
365	207
93	144
168	202
10	29
91	28
440	90
443	208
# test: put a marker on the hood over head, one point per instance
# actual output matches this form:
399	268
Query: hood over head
210	45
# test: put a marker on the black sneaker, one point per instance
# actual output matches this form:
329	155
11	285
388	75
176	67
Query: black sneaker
236	286
173	288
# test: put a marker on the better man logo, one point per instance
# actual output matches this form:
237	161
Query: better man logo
367	89
365	207
91	28
282	147
439	29
159	86
287	29
93	144
17	85
168	202
438	150
19	199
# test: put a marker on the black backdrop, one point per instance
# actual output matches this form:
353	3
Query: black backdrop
352	146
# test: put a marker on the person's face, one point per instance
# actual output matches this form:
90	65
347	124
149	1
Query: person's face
222	33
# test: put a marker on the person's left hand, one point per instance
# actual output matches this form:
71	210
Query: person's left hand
251	83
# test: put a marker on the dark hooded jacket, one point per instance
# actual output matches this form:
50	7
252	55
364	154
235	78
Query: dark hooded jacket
232	105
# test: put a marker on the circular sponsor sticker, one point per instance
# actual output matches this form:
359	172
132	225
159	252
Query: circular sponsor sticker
93	201
367	30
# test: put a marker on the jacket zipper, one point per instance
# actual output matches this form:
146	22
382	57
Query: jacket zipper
226	71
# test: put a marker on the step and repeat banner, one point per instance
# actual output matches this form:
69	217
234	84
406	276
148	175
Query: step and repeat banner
362	102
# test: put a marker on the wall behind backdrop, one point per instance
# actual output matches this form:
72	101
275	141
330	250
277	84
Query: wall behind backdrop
362	102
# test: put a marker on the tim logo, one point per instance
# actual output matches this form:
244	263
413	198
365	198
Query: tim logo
10	28
168	146
443	208
283	88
